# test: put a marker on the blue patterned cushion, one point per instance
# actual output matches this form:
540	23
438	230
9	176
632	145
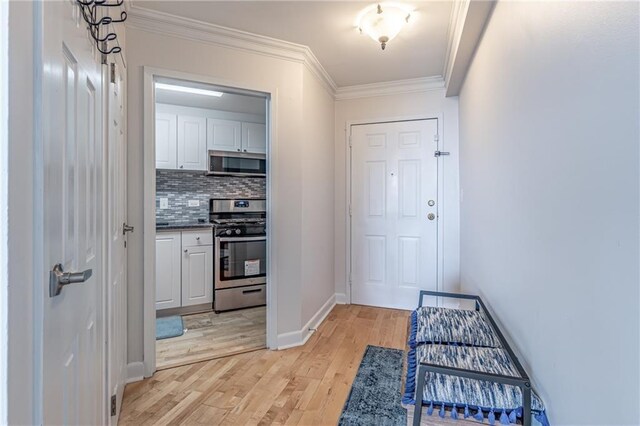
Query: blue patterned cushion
458	326
463	393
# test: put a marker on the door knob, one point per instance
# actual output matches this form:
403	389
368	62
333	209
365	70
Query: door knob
58	279
431	216
126	228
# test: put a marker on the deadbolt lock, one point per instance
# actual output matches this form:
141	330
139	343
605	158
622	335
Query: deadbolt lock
431	203
431	216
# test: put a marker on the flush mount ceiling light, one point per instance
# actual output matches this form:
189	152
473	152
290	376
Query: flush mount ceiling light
383	21
192	90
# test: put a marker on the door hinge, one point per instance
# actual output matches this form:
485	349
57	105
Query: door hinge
112	77
350	141
439	153
349	210
103	56
114	405
350	281
436	137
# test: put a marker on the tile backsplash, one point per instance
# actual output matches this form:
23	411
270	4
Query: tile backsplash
180	187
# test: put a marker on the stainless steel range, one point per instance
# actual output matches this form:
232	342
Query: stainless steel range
240	253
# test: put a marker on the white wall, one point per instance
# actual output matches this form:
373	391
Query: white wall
422	104
317	213
290	150
549	144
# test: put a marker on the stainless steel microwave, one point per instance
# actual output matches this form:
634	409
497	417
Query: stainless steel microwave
225	163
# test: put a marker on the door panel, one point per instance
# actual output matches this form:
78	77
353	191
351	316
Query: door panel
166	141
197	275
192	143
254	138
224	135
73	321
394	175
168	270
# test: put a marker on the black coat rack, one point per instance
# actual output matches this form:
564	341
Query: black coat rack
106	40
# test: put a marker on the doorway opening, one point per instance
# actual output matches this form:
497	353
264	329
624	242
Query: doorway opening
211	286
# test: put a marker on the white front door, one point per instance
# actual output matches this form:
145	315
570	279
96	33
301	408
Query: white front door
393	193
73	358
117	257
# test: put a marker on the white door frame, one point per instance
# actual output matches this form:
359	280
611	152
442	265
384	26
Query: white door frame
4	190
440	192
149	204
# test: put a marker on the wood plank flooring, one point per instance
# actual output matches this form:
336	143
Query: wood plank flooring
211	335
307	385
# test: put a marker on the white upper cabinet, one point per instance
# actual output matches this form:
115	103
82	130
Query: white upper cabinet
224	135
166	141
192	143
185	134
254	138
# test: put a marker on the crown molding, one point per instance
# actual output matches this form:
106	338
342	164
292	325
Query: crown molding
166	24
413	85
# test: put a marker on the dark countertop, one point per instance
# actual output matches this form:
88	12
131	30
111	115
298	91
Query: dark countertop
168	226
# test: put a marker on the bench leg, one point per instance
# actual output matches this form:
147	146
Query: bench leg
526	401
417	409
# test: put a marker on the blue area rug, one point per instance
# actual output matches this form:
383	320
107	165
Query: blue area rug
167	327
376	391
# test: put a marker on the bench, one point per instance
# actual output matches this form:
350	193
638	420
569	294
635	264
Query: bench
459	360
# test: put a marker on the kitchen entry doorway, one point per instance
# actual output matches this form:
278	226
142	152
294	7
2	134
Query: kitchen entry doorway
394	212
210	294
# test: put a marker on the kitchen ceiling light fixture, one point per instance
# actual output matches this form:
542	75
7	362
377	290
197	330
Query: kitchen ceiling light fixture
383	21
184	89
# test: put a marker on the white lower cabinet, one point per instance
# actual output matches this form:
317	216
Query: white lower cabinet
184	272
168	270
197	275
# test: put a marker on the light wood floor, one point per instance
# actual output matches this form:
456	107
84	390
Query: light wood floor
211	335
307	385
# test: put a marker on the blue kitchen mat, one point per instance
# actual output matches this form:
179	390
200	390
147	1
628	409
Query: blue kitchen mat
167	327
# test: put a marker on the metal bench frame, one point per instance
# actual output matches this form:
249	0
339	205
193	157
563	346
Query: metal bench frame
522	382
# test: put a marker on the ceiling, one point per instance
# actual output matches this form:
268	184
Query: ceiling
327	27
229	101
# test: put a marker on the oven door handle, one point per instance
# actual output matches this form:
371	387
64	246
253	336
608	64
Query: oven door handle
235	239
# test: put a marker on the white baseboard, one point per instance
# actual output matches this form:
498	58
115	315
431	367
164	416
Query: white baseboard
341	299
300	337
135	371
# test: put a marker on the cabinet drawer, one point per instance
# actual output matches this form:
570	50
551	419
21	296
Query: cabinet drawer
197	238
242	297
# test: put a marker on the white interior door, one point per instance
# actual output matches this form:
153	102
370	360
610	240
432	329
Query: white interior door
73	357
117	257
394	240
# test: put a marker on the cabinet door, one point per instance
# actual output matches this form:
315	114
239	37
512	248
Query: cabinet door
224	135
197	275
166	141
168	274
192	143
254	138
